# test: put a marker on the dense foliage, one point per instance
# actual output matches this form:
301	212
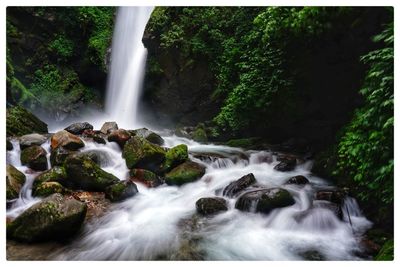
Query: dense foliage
365	151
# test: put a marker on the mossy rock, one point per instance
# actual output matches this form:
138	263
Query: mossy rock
20	121
264	200
211	205
34	157
140	153
199	135
387	252
85	174
121	191
185	173
150	136
59	154
148	178
14	182
175	156
54	218
48	188
56	174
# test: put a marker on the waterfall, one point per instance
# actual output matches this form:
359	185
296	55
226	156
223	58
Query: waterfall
128	60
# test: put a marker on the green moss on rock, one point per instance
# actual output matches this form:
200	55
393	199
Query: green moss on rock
55	174
48	188
199	135
121	191
34	157
20	121
175	156
146	177
185	173
14	182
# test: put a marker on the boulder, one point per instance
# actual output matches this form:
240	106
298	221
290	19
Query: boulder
185	173
239	185
299	180
98	138
140	153
211	205
34	157
55	174
264	200
9	145
66	140
31	139
58	155
79	127
14	182
150	136
286	164
85	174
55	217
108	127
199	135
332	195
20	121
121	191
48	188
119	136
175	156
100	157
148	178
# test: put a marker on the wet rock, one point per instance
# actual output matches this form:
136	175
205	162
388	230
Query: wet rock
175	156
55	217
108	127
55	174
31	139
368	247
211	205
48	188
286	164
96	202
121	191
85	174
150	136
9	146
99	139
34	157
334	195
14	182
100	157
185	173
264	200
239	185
66	140
119	136
299	180
79	127
312	255
148	178
140	153
20	121
58	155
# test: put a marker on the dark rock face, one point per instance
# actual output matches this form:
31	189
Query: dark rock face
239	185
185	173
31	139
264	200
54	218
85	174
299	180
66	140
14	182
20	121
121	191
108	127
335	196
34	157
211	205
9	146
148	178
150	136
119	136
286	164
79	127
58	155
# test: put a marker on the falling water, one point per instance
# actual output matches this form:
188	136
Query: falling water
128	59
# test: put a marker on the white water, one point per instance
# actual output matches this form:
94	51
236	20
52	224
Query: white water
128	59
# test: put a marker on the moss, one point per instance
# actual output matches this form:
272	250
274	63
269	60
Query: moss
175	156
146	177
34	157
20	122
199	135
185	173
47	188
14	182
121	190
387	252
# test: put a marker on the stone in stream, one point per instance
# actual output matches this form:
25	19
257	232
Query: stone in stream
150	136
79	127
85	174
264	200
286	163
20	121
58	155
48	188
9	145
66	140
108	127
121	191
148	178
299	180
14	182
54	218
55	174
211	205
185	173
31	139
332	195
34	157
142	154
334	207
175	156
119	136
239	185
